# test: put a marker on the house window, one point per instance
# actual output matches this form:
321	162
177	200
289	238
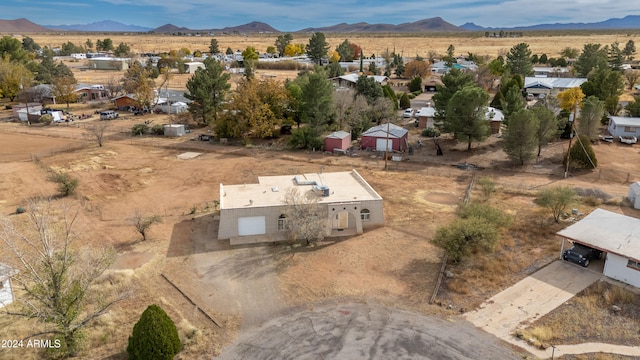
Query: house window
365	215
633	264
282	222
629	129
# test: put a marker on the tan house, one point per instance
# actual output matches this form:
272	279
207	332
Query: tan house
253	213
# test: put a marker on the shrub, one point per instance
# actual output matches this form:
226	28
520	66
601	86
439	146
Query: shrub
582	155
415	86
556	199
46	119
305	138
66	184
404	101
157	129
487	186
430	132
463	237
482	210
139	129
154	336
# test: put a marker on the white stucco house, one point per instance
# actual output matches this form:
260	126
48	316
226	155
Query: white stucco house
6	291
254	213
616	235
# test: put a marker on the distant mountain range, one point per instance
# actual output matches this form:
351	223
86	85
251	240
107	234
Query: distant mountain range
104	26
628	22
435	24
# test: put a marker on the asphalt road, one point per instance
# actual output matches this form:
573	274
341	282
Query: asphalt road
364	331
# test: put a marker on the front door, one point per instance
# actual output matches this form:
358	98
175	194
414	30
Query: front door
341	220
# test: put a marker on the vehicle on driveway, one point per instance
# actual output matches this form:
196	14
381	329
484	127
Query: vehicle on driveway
408	113
628	139
581	254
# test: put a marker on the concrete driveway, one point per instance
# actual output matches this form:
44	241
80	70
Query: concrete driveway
530	299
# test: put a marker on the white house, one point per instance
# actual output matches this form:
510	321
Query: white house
254	213
349	80
550	85
615	235
6	292
624	126
191	67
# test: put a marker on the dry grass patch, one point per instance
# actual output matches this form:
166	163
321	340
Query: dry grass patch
603	312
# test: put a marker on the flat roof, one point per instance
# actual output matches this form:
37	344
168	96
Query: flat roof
6	271
625	121
607	231
271	190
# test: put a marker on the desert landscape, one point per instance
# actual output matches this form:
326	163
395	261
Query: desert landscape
215	293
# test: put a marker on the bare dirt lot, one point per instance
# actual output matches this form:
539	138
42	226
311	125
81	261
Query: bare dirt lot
242	287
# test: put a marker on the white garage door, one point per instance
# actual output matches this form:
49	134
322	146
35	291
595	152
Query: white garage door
251	225
380	144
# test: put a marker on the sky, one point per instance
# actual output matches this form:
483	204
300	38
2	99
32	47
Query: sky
293	15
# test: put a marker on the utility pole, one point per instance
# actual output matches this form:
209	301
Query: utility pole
386	148
573	123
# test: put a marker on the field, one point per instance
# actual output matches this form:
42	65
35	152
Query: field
242	287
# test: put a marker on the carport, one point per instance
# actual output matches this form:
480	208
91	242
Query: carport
616	235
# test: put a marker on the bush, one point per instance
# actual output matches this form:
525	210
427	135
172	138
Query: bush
46	119
582	155
305	138
157	129
430	132
415	86
404	101
463	237
66	184
139	129
154	336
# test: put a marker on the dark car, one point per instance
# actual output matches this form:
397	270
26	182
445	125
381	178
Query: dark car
581	254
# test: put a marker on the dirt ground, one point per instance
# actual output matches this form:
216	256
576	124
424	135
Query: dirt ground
394	265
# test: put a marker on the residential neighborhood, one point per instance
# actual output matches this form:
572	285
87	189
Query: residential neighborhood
206	192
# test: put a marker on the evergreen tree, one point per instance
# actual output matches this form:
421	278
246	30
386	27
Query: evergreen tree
282	41
466	115
519	60
404	101
547	129
519	138
452	82
207	90
154	336
317	104
582	154
591	114
317	47
369	88
592	57
214	48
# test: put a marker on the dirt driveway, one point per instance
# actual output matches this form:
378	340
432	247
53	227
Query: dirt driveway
530	299
365	331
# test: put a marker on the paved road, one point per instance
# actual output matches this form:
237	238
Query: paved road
362	331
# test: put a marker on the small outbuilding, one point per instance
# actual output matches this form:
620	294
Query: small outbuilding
495	117
615	235
426	117
191	67
174	130
385	137
340	140
6	291
624	126
634	195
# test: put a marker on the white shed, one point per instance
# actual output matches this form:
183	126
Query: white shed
174	130
6	292
634	195
616	235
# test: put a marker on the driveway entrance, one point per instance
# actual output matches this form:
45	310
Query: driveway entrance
531	298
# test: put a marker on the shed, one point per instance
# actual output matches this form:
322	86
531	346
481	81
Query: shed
337	140
495	117
109	63
6	291
614	234
174	130
624	126
124	102
385	137
634	194
191	67
426	117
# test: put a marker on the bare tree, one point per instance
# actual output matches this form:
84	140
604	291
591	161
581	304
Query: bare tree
59	279
97	132
305	219
631	77
113	87
143	223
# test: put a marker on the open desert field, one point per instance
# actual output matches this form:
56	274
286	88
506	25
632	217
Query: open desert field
213	291
408	45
